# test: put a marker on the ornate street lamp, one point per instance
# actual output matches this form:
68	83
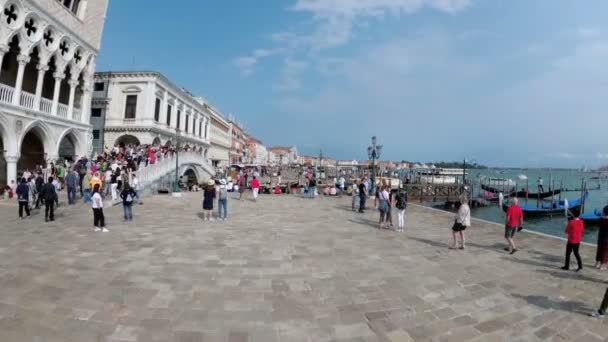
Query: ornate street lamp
176	188
373	153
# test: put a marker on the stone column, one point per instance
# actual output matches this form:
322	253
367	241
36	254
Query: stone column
22	60
85	102
58	78
73	84
11	167
42	69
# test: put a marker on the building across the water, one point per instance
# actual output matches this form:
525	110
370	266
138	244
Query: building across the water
282	155
47	56
144	107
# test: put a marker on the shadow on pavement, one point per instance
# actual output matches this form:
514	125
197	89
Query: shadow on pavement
572	275
430	242
545	302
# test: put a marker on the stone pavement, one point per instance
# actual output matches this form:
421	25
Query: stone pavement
284	269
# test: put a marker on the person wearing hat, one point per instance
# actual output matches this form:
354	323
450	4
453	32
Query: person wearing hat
208	197
222	201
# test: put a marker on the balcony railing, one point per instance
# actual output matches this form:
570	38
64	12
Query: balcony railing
27	101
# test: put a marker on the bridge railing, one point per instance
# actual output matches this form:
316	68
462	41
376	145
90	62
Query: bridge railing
154	172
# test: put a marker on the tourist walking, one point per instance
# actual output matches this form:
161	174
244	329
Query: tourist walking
255	186
601	257
99	221
222	202
383	207
514	220
362	196
575	230
401	205
462	221
128	196
241	184
86	186
39	189
114	185
49	194
601	312
355	194
208	198
341	185
71	182
312	187
23	196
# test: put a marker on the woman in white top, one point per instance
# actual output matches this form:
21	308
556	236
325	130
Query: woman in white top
463	220
384	204
97	205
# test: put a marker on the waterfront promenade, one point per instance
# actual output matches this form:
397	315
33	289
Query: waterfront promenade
284	269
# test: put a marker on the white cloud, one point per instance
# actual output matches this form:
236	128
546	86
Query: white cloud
601	155
247	63
333	24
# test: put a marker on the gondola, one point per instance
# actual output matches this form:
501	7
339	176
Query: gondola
555	208
591	218
522	194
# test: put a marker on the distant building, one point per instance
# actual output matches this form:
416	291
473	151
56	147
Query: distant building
258	154
282	155
144	107
48	50
238	149
221	137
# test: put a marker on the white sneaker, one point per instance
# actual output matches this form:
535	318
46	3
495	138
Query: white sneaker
97	229
104	230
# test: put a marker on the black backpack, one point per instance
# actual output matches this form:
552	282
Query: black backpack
401	200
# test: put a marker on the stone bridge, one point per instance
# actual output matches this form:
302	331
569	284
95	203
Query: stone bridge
162	174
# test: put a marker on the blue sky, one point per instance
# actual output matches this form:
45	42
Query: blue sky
518	82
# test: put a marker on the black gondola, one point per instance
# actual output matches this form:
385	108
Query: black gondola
523	194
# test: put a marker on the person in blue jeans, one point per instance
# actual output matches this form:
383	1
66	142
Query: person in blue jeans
222	202
128	196
71	181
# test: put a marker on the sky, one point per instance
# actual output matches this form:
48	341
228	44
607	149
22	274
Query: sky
501	82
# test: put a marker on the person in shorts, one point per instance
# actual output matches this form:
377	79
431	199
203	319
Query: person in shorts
514	220
462	221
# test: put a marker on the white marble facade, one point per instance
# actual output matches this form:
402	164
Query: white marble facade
144	107
47	53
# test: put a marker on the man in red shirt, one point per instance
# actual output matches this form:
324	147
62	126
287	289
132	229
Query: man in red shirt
574	230
255	186
515	219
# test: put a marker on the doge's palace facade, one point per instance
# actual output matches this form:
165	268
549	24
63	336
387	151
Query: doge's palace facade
48	50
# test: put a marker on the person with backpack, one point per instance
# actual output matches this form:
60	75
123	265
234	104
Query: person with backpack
23	195
49	195
222	202
128	196
401	205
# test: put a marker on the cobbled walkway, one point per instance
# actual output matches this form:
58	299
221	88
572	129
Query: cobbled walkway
284	269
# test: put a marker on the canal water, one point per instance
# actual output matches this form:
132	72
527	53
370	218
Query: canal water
598	198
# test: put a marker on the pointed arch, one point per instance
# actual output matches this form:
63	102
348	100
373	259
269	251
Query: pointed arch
71	139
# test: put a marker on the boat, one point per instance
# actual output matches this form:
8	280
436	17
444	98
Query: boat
555	208
523	193
591	218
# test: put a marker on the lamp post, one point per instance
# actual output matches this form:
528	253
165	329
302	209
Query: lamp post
176	189
373	153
